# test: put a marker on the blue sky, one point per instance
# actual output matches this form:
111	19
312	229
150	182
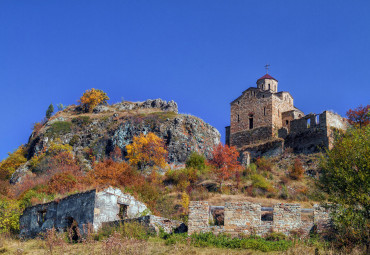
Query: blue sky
201	53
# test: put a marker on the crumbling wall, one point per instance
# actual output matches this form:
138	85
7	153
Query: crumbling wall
241	217
286	217
247	218
268	148
198	217
77	208
107	206
322	218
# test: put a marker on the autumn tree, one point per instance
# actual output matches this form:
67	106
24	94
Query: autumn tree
12	162
359	116
92	98
49	111
147	150
225	161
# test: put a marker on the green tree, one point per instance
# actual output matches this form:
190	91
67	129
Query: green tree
346	179
49	111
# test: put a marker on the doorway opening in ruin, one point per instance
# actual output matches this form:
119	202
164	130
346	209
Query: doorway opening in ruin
308	123
250	121
72	229
41	217
123	209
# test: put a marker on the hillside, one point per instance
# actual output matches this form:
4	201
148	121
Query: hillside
97	134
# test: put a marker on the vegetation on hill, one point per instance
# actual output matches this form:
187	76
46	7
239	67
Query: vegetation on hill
62	168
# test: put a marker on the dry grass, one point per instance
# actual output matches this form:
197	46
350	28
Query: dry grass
126	246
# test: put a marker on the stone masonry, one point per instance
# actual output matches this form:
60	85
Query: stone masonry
247	218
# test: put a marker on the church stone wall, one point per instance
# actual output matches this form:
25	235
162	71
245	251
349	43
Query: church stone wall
251	102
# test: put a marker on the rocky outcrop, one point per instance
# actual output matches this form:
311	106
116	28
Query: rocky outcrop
163	105
114	126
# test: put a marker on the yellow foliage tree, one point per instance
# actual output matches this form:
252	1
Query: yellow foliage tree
147	150
185	200
9	216
92	98
11	163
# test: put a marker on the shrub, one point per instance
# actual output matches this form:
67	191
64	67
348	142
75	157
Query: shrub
196	161
296	171
263	164
58	128
258	181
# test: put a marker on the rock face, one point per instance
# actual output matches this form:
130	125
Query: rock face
114	126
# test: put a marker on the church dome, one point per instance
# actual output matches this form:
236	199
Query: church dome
267	76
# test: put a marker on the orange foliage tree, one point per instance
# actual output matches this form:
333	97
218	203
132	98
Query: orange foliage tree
92	98
225	161
147	150
359	116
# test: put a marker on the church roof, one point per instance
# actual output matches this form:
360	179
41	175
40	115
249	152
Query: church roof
267	76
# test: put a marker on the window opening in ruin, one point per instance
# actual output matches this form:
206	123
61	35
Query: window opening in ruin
263	96
308	123
250	121
269	86
41	217
267	216
238	118
317	119
218	216
72	229
287	122
123	211
264	111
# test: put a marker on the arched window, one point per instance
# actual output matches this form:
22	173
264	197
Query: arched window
251	121
238	118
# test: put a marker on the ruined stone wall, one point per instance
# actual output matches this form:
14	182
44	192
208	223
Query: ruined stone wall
314	132
241	217
107	206
286	217
198	217
251	102
269	148
247	218
58	214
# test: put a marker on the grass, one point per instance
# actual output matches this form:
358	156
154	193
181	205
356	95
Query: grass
154	245
58	128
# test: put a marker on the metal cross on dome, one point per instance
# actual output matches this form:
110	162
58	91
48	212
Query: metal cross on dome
267	68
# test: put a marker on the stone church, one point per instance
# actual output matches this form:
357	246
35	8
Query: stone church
264	121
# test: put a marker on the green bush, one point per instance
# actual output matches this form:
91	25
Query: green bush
196	160
59	128
258	181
